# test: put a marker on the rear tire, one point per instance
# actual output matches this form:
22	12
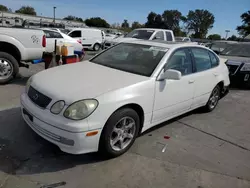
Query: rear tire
9	67
119	133
213	99
96	47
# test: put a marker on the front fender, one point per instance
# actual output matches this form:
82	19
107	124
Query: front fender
140	94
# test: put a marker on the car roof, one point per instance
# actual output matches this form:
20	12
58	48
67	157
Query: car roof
166	44
48	29
155	29
94	29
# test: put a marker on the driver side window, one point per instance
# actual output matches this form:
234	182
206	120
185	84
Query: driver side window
180	61
159	35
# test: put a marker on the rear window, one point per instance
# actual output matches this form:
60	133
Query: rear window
169	36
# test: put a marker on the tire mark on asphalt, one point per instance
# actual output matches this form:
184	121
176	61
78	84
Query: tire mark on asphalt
210	134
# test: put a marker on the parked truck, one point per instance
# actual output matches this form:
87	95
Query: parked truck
17	47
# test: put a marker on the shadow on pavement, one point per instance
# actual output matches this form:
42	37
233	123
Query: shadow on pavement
24	152
19	80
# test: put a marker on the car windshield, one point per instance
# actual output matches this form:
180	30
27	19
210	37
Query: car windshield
134	58
240	50
140	34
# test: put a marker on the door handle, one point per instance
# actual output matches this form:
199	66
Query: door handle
83	39
191	81
216	74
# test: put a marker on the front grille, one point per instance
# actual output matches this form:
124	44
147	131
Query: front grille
38	98
232	69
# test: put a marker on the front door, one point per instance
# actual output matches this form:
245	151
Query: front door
173	97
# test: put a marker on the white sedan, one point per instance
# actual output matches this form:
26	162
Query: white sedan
103	104
52	35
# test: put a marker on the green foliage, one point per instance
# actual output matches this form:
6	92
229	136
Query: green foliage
73	18
125	24
244	29
171	20
199	21
96	22
27	10
214	37
3	8
154	20
233	38
136	25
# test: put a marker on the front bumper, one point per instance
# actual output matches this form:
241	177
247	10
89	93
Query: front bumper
69	142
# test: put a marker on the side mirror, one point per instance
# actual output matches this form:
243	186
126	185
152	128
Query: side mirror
170	74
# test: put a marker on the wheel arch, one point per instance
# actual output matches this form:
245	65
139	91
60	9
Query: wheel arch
137	108
10	49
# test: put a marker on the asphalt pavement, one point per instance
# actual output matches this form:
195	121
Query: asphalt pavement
204	150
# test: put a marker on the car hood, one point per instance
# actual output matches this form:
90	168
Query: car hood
236	60
82	80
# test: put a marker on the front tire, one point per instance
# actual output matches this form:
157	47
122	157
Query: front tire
9	67
119	132
213	99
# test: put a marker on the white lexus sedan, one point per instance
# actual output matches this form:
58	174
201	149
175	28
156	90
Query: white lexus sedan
103	104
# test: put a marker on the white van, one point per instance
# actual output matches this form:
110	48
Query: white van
90	38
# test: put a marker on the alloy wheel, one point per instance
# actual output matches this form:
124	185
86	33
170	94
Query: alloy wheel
214	98
123	133
6	69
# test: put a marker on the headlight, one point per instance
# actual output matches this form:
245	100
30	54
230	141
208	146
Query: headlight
246	67
28	84
57	107
81	109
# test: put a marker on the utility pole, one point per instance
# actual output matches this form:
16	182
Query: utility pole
54	15
227	31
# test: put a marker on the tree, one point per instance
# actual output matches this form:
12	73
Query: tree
214	37
200	21
125	24
154	20
26	10
171	20
244	29
3	8
73	18
97	22
136	25
233	38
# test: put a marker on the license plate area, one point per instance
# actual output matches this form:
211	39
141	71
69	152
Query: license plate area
25	112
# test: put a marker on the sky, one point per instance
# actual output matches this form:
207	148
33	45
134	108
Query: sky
227	12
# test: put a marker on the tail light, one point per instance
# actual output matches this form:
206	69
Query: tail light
79	41
44	41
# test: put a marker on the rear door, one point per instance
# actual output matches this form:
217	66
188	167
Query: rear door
206	74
